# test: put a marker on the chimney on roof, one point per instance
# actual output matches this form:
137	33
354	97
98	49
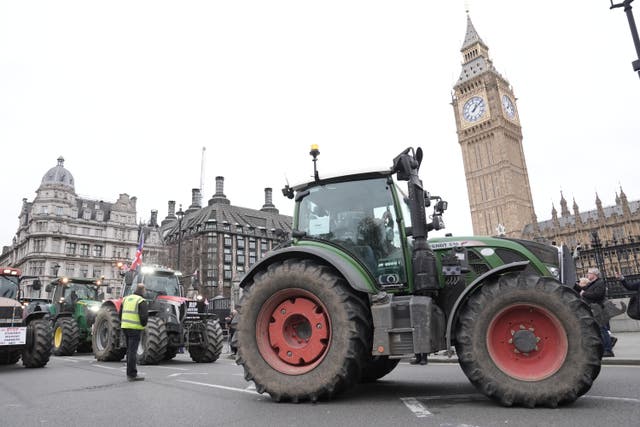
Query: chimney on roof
219	196
268	203
154	218
171	213
196	200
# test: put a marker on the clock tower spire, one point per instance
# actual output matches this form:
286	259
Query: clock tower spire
490	136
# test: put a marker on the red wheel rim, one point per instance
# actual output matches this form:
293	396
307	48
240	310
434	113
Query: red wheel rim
527	342
293	331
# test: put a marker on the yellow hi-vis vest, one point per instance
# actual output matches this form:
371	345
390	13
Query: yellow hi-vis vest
130	316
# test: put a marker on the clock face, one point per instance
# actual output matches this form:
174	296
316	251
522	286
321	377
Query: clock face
473	109
508	106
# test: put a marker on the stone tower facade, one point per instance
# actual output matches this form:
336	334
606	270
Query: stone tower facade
490	136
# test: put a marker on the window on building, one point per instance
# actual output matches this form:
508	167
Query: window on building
212	239
84	270
99	216
70	248
86	214
252	243
227	241
227	258
240	242
37	268
41	226
97	251
45	210
227	272
97	272
226	227
54	269
70	269
59	210
84	249
38	245
240	260
252	258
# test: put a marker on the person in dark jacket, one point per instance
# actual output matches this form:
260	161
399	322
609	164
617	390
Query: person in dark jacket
133	318
595	292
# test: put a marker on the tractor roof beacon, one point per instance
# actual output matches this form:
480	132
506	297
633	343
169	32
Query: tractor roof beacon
23	334
359	287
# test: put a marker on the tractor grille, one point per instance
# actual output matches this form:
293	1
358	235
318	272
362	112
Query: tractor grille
10	315
477	263
401	342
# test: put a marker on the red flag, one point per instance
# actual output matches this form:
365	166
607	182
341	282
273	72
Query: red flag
137	261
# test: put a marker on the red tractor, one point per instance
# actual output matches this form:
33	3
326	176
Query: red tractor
175	322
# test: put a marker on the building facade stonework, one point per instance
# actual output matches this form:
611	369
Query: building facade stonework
490	136
62	234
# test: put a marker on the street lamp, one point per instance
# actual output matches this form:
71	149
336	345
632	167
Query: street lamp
56	268
634	31
180	215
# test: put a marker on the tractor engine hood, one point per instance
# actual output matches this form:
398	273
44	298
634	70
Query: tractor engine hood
8	302
177	300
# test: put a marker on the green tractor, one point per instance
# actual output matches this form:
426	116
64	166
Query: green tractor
359	287
74	305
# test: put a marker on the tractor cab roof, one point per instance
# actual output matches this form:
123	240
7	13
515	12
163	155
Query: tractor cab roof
356	176
66	281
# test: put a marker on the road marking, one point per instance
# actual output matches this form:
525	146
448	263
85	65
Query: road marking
221	387
106	367
618	399
186	373
416	407
251	386
167	367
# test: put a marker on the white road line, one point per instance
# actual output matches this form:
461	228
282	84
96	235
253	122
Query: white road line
416	407
221	387
186	373
106	367
251	386
167	367
618	399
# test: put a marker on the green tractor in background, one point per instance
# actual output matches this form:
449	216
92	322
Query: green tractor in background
74	305
359	287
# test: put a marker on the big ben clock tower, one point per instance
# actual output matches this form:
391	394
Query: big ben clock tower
490	136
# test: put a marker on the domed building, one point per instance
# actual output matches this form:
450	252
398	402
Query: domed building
63	234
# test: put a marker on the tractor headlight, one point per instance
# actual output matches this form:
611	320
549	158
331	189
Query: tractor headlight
94	308
555	272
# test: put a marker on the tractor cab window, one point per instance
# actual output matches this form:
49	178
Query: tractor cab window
159	284
76	291
360	217
8	287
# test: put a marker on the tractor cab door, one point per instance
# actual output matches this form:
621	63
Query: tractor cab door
360	218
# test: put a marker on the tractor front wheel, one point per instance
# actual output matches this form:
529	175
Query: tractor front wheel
302	332
38	350
153	343
105	339
377	367
211	346
528	340
66	336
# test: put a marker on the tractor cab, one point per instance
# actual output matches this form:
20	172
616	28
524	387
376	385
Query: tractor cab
158	281
9	285
359	216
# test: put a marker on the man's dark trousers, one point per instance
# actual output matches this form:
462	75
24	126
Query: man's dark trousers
133	339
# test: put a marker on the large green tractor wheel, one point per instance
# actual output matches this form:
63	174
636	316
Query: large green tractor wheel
38	349
528	340
153	343
302	332
9	357
211	348
106	336
376	367
66	336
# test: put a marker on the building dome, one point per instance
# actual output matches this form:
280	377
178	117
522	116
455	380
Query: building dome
58	175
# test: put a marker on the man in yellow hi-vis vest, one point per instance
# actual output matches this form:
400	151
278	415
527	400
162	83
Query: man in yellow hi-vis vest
133	318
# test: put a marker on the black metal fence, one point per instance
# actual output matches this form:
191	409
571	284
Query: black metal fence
611	258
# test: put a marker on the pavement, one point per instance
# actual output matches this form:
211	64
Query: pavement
626	350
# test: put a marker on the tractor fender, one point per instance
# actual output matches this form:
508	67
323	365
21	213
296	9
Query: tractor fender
35	315
475	285
359	279
59	315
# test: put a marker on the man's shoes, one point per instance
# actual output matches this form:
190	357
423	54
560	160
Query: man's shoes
614	340
415	361
423	361
608	354
135	378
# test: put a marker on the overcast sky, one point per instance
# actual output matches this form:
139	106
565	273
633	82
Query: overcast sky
128	92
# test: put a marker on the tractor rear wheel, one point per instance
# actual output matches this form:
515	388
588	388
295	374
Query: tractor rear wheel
106	336
153	343
211	346
377	367
528	340
38	349
302	332
66	336
170	353
9	357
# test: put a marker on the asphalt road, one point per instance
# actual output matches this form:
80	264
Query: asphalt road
79	391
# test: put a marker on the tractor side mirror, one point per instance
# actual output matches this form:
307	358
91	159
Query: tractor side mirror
37	285
48	288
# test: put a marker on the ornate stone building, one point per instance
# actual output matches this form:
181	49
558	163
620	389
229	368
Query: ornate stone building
490	136
60	233
216	244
